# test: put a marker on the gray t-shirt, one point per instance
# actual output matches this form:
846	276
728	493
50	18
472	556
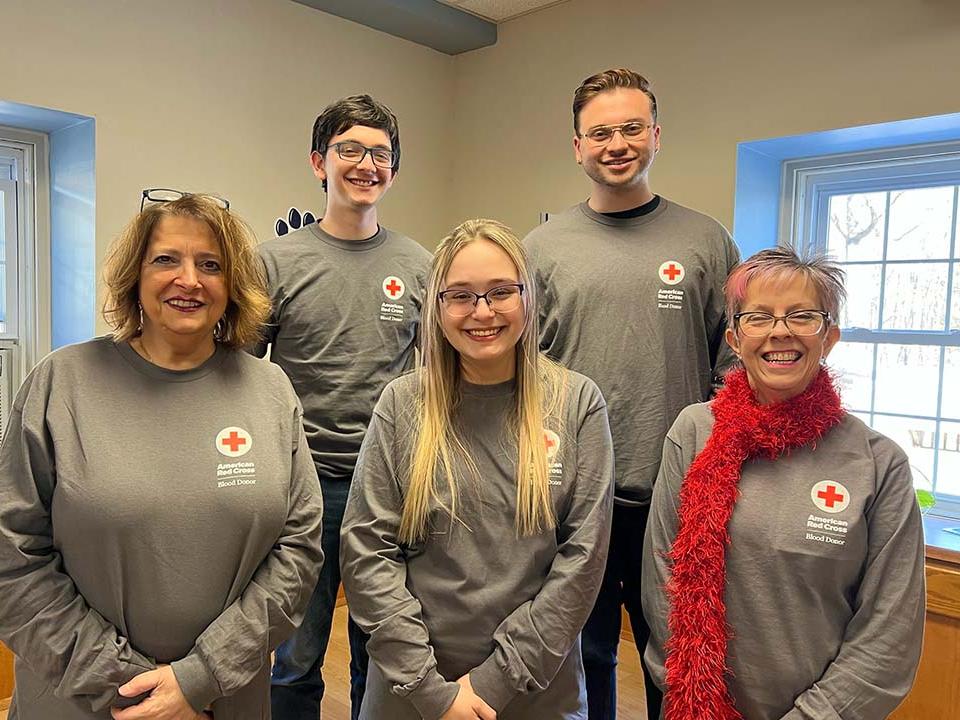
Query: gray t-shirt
474	597
637	305
825	579
345	321
153	516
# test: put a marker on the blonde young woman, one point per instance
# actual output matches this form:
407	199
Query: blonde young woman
476	531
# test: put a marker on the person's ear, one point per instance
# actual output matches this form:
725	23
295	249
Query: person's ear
731	337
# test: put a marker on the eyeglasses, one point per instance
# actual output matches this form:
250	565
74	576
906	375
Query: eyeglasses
355	152
502	299
801	323
603	134
162	195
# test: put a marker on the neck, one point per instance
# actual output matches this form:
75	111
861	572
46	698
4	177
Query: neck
489	373
349	223
174	353
605	199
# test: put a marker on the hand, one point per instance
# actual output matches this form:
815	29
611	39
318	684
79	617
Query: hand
165	702
468	705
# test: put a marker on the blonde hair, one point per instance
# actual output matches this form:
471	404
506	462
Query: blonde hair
540	390
248	305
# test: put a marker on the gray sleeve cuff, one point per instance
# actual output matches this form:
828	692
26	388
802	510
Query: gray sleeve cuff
433	696
196	681
491	684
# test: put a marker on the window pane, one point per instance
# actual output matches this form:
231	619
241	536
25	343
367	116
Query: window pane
862	308
3	264
907	378
916	439
955	305
915	296
853	363
856	226
920	223
948	466
956	242
950	407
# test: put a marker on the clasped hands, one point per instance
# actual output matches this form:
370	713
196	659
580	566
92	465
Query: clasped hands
165	702
468	705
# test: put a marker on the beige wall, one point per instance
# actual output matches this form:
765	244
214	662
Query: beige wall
221	95
724	72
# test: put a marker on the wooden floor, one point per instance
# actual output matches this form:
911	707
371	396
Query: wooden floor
336	701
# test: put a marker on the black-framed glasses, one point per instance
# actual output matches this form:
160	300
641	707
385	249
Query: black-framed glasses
162	195
801	323
460	303
354	152
603	134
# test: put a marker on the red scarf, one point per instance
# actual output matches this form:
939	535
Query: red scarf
743	429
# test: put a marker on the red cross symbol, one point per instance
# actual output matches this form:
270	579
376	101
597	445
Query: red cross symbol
549	441
234	441
830	496
672	271
393	288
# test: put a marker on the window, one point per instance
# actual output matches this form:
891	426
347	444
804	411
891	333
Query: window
891	219
22	267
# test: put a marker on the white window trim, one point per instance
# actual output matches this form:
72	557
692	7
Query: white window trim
34	256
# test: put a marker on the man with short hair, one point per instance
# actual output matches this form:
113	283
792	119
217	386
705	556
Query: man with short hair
347	297
632	297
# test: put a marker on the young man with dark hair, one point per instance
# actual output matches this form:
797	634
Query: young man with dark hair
347	296
632	297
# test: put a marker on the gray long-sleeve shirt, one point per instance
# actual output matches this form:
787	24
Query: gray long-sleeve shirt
153	516
637	305
825	579
344	323
474	597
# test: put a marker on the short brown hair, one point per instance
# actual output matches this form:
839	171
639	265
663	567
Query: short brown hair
349	112
248	304
606	81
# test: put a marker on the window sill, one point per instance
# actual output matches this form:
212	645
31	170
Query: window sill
941	545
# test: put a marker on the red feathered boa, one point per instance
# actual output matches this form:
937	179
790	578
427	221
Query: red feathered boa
743	429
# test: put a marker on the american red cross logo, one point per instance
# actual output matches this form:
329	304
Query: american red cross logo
233	442
552	441
393	287
830	496
671	272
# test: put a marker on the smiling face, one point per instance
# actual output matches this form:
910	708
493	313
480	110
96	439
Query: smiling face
621	163
349	184
781	365
182	288
485	339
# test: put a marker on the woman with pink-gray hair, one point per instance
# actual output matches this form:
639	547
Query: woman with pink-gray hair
783	559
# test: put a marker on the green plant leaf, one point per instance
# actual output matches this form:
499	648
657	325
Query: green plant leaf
926	499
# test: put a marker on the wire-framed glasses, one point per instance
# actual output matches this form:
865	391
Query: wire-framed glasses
354	152
603	134
460	303
162	195
799	322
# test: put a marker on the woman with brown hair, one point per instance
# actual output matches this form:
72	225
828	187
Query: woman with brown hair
160	514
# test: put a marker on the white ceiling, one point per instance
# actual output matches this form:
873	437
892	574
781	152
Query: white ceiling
499	11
